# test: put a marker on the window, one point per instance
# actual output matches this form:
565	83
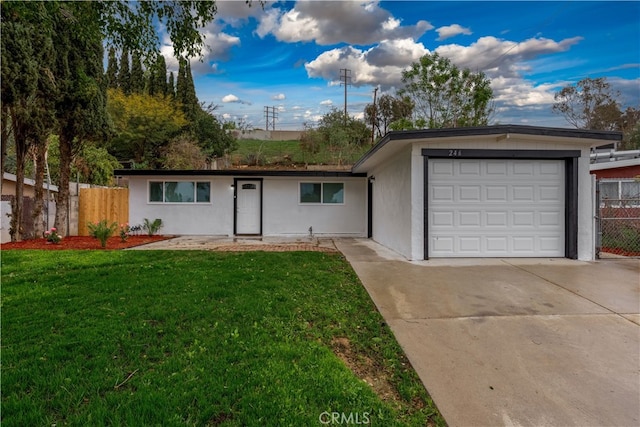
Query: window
619	192
322	193
179	192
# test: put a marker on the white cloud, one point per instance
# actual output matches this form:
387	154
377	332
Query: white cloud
498	57
278	97
452	31
230	98
380	65
349	22
326	102
506	63
218	45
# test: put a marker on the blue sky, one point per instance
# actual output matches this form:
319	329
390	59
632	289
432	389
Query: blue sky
288	55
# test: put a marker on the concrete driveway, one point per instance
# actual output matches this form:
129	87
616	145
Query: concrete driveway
544	342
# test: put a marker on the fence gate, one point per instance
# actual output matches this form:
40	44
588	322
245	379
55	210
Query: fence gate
96	204
618	217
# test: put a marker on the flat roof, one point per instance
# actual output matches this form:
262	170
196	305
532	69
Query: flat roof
407	136
237	172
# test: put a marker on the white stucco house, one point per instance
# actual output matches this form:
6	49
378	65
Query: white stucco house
495	191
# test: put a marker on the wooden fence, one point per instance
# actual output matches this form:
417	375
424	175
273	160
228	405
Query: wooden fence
96	204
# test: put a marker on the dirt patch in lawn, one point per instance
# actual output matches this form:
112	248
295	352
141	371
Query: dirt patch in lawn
83	242
366	369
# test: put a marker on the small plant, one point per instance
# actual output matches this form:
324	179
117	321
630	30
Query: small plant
124	232
52	236
102	231
152	227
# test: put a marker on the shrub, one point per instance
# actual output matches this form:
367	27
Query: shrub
125	230
102	231
152	227
52	236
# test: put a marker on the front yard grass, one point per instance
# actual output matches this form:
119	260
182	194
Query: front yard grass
198	338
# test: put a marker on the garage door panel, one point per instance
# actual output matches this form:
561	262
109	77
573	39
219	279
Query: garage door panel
469	193
443	193
496	193
522	193
497	208
469	167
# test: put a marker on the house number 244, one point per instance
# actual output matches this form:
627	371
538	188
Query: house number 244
455	153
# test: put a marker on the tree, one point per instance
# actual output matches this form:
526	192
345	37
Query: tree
28	88
95	165
81	110
144	125
158	77
445	95
137	75
79	29
211	135
589	104
593	104
112	69
388	109
171	89
124	74
630	127
186	91
332	134
183	152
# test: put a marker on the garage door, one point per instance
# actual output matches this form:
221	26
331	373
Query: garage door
496	208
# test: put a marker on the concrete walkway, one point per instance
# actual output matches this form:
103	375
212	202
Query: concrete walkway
236	244
514	342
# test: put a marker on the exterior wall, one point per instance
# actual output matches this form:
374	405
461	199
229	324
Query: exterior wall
392	207
586	250
215	218
269	135
622	172
282	214
586	213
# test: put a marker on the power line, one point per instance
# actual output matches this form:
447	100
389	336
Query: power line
273	117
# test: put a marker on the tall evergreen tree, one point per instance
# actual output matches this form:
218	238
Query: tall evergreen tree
186	92
28	91
137	75
181	82
124	76
158	77
112	69
171	90
81	109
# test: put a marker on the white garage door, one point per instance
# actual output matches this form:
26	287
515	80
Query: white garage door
496	208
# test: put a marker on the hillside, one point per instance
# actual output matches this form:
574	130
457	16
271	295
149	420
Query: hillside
289	154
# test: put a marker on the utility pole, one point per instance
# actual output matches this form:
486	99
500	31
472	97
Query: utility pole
345	79
272	116
374	116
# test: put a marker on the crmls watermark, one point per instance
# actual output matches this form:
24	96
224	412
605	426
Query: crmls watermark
344	418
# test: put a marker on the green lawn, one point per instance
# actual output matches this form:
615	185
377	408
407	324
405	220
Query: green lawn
197	338
287	153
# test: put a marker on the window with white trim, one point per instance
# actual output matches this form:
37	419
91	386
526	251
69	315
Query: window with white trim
324	193
179	192
619	192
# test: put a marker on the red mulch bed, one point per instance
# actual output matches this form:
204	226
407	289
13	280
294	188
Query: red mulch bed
619	251
83	242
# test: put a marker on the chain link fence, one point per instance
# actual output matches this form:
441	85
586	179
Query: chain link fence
618	217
